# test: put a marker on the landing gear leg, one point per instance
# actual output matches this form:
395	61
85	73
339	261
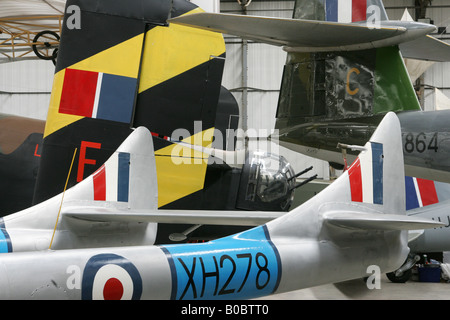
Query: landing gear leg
404	273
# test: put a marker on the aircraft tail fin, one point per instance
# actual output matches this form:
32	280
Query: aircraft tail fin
136	71
376	177
352	84
376	180
370	195
338	86
126	180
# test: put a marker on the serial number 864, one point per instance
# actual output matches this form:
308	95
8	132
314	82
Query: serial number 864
420	142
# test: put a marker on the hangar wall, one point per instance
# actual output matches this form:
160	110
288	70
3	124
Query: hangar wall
25	88
252	72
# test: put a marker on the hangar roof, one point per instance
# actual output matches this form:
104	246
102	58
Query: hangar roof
22	21
31	8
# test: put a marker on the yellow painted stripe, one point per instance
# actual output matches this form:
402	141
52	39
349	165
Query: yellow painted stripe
170	51
180	170
178	181
122	59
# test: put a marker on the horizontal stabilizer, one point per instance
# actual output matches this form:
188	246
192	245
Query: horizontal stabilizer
379	222
287	32
426	48
306	35
237	218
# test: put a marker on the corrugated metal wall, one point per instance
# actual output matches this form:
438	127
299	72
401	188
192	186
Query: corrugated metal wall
25	88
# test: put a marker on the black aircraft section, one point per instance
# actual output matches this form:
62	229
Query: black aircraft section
20	148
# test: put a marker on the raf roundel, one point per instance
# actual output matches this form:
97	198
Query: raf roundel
111	277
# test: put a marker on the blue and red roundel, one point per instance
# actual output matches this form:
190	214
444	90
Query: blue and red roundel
110	277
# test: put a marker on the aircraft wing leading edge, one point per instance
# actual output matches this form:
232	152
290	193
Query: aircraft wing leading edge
316	36
308	35
289	32
222	217
349	220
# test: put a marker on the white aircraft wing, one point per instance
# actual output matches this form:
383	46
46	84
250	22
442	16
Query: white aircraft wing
289	32
238	218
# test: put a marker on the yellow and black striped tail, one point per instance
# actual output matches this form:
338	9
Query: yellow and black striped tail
121	65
